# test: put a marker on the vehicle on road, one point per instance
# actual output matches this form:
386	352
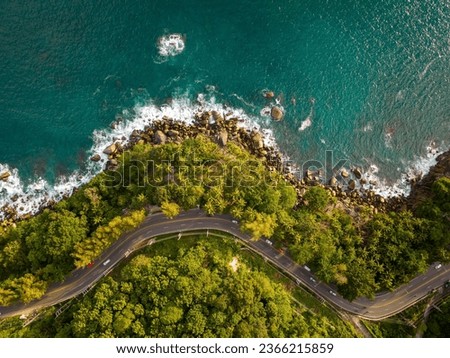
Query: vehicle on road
106	262
269	242
90	264
234	221
333	293
447	284
438	266
312	279
307	268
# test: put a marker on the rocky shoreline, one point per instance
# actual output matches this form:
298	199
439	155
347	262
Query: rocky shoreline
421	189
346	185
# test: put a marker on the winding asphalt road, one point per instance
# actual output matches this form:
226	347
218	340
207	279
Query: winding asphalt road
155	225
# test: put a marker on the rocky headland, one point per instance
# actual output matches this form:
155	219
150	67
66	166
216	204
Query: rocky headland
346	184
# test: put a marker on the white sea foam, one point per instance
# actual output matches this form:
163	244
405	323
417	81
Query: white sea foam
425	70
367	128
251	105
308	120
388	139
305	124
171	45
30	197
416	169
265	112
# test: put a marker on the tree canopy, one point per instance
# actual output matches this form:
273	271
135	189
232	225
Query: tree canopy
360	256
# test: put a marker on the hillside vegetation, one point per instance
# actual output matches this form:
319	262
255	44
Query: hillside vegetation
362	254
186	288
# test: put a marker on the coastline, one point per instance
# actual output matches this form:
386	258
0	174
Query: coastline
350	185
354	225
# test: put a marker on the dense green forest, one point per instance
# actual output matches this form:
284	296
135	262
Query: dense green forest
196	287
361	252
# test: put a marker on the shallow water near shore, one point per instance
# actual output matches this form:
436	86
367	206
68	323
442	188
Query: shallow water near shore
369	81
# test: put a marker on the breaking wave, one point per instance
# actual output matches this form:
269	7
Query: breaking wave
29	198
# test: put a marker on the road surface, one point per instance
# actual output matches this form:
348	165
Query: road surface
156	225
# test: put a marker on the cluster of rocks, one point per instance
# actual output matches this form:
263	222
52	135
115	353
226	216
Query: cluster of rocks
219	126
11	213
112	151
276	112
347	185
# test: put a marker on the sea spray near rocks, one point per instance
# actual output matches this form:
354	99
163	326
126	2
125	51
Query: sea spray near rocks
402	186
69	75
30	197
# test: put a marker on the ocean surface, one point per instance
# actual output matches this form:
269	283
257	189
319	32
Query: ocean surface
369	80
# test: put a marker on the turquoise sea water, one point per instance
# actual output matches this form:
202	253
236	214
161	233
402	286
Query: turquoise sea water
378	71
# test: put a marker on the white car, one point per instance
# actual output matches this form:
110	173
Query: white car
234	221
333	293
269	242
312	279
438	266
106	262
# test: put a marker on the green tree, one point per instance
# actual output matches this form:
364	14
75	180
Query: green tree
260	225
170	209
29	287
317	198
87	250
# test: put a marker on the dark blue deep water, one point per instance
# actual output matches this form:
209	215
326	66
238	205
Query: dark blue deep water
373	76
